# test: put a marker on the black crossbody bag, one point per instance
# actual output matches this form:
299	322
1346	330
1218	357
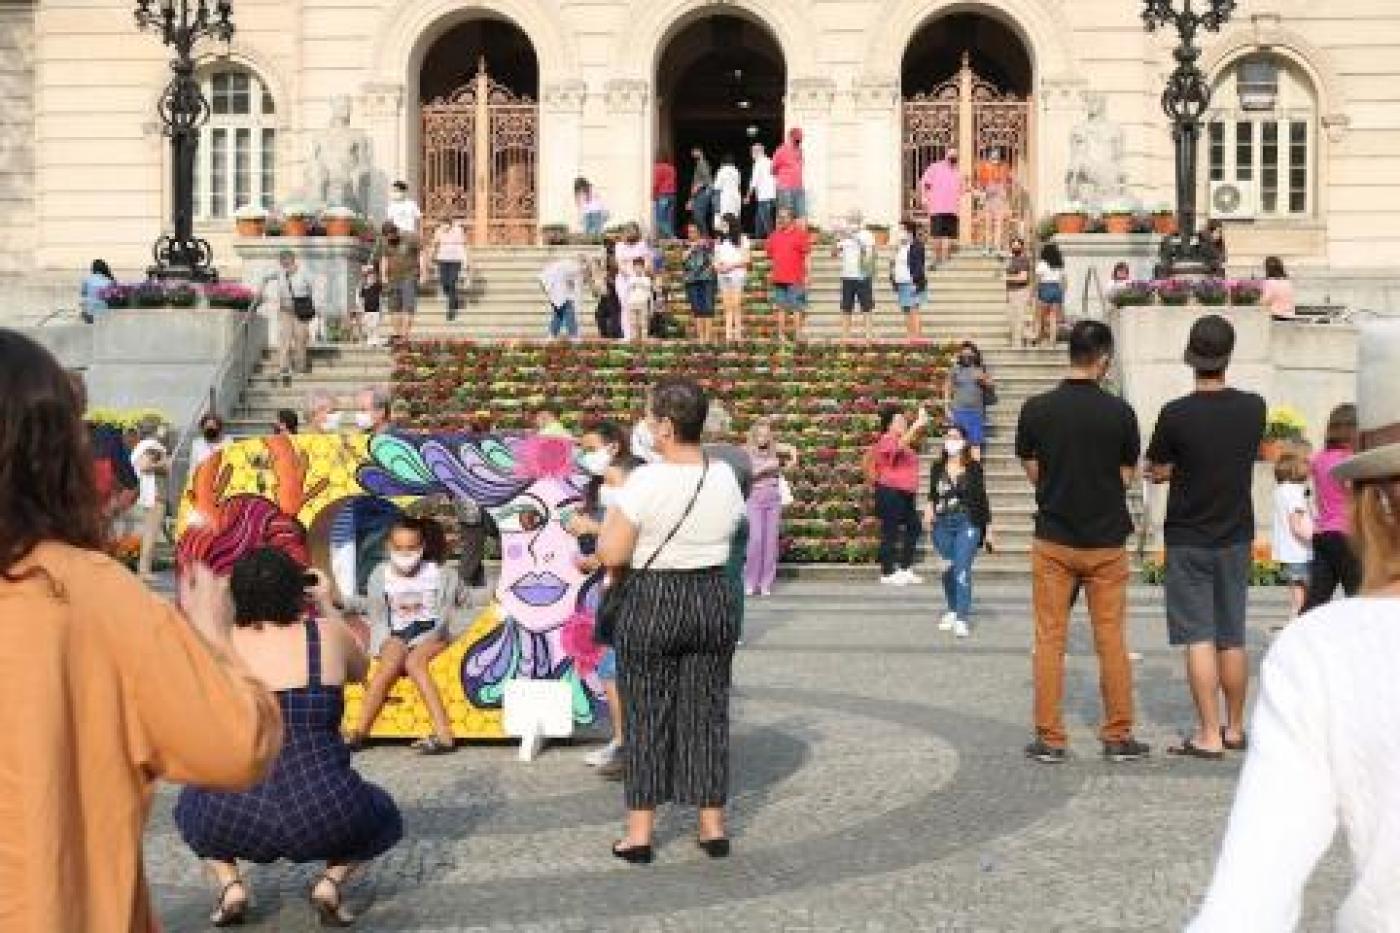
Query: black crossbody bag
302	306
605	624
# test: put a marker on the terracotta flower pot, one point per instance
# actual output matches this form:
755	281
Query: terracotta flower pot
1070	223
296	226
250	226
1165	224
1118	223
340	226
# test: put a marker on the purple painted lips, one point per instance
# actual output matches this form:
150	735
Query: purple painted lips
539	589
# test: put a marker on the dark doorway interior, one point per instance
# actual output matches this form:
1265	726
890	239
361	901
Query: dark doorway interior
452	61
721	85
995	51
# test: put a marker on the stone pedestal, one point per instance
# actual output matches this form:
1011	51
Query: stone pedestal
1099	253
332	264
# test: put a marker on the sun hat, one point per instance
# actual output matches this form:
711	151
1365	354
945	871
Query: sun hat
1211	342
1377	405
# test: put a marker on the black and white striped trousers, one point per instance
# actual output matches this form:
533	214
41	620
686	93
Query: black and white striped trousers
675	642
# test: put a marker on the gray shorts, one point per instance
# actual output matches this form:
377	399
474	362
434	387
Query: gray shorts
1207	589
402	296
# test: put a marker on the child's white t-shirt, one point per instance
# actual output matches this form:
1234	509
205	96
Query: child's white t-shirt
1290	498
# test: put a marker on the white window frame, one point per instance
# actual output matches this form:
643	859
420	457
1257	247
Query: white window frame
255	123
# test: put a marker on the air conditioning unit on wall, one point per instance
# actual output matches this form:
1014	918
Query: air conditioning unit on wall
1233	200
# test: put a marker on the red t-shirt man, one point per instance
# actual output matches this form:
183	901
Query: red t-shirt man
788	248
663	179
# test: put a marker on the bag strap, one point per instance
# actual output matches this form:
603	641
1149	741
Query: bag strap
705	458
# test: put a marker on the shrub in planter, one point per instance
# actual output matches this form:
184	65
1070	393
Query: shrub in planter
1246	292
1133	295
148	295
117	296
1046	227
181	296
1212	292
555	234
1174	291
229	295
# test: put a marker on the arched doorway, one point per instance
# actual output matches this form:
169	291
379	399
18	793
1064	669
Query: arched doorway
720	84
966	81
478	92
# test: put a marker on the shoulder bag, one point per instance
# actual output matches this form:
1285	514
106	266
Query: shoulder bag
302	305
605	623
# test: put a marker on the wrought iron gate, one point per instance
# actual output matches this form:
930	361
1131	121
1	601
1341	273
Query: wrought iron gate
991	130
479	161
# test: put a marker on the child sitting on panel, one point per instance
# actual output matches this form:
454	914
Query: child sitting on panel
412	598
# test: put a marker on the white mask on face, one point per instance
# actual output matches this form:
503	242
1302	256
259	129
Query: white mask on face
331	422
607	497
364	420
596	461
406	562
954	446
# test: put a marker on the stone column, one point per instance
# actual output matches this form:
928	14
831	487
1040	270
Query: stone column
808	105
877	105
627	176
381	110
559	152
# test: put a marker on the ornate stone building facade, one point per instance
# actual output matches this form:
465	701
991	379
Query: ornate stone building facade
1305	126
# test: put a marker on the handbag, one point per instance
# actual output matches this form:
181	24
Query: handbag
989	395
302	306
605	623
785	496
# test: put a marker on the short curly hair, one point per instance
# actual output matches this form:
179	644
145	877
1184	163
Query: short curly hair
267	586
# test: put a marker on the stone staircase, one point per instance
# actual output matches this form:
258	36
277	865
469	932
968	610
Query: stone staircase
966	300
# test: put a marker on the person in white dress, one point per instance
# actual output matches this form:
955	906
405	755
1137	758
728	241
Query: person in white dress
1324	743
729	197
732	265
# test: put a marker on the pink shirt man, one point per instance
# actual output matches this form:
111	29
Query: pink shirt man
942	187
787	162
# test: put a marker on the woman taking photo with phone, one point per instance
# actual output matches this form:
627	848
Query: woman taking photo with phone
960	520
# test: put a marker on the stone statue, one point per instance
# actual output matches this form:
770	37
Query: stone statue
339	170
1095	174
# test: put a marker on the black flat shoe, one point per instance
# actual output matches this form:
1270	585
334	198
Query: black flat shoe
714	848
636	855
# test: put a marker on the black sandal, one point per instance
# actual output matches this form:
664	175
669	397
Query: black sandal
432	745
226	916
1189	749
328	908
1242	745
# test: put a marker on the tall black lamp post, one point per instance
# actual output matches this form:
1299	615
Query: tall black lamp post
183	110
1185	101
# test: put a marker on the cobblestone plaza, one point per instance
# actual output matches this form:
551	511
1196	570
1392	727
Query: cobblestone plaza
878	785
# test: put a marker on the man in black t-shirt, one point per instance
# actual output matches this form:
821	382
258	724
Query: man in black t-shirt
1079	446
1205	445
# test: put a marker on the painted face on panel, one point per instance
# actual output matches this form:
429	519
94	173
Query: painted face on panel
540	579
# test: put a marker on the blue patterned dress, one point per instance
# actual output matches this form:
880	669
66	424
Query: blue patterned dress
312	807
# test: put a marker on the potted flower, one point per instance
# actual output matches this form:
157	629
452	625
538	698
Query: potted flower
1118	216
881	233
1071	218
1282	425
181	296
1212	292
1174	292
117	296
1132	295
229	295
250	220
297	219
339	221
555	234
1164	219
1246	292
148	295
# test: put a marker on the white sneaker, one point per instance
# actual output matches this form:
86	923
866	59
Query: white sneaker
910	577
895	579
946	623
960	628
602	756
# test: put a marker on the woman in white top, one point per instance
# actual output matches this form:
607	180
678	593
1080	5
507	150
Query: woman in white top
673	522
1324	748
732	265
627	251
450	254
1050	294
729	196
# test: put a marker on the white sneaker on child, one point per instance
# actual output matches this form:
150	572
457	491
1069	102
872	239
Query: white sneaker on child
602	756
946	623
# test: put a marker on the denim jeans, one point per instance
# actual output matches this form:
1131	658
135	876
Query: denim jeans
899	528
701	295
593	222
794	199
663	216
448	274
956	539
763	214
564	320
701	211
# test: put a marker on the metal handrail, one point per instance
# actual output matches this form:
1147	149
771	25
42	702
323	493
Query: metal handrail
1092	276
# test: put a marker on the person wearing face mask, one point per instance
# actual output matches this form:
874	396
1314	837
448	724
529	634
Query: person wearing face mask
396	254
1018	294
376	411
765	507
965	395
609	462
941	187
414	599
908	272
959	518
211	438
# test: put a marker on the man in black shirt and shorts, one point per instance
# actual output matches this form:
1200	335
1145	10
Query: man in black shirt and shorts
1205	445
1079	446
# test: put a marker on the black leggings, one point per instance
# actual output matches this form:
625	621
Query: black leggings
899	528
1333	563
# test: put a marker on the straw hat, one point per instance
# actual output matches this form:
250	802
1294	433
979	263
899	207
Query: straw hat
1377	405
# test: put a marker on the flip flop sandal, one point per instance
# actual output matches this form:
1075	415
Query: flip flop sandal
1240	746
226	915
1189	749
432	746
328	909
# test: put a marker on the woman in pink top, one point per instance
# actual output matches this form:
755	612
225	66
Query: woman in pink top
1334	561
1277	295
787	174
892	464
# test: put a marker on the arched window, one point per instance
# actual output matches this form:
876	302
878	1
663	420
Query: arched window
236	162
1262	133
